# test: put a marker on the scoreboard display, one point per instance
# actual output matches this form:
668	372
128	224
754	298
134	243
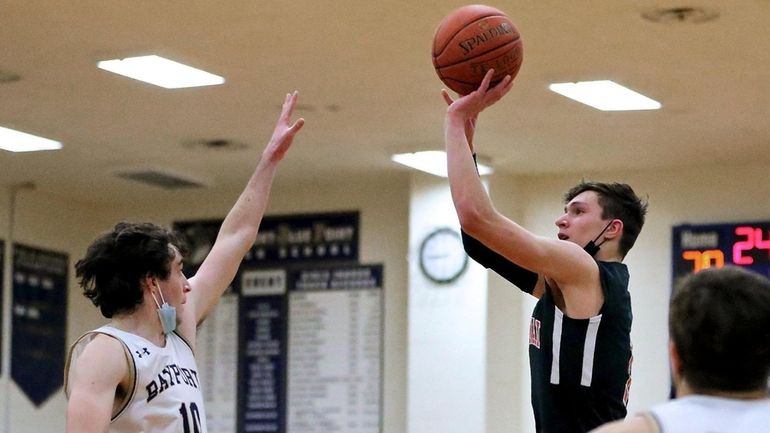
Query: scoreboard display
697	247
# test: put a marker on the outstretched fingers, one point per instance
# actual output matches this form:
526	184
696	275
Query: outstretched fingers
500	89
484	86
297	125
284	131
448	99
289	104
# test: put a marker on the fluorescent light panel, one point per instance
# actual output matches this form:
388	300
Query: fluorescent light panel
161	72
605	95
16	141
432	161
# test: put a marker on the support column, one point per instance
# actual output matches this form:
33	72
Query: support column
446	371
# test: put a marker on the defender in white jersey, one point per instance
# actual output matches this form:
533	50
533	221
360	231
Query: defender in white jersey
138	373
164	384
719	323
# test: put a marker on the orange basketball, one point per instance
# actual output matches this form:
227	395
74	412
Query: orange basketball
472	40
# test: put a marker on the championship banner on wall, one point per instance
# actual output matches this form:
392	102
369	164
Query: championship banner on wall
311	350
39	321
283	241
331	237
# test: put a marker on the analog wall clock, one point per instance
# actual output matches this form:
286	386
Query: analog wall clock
442	256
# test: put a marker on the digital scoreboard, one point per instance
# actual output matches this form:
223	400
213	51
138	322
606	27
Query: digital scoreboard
697	247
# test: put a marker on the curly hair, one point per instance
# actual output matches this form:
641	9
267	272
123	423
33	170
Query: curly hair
115	263
618	200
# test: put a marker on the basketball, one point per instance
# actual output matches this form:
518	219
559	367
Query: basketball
472	40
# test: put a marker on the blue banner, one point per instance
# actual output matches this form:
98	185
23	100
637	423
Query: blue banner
262	328
284	239
315	332
39	321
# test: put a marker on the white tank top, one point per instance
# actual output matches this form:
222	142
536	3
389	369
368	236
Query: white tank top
704	414
166	395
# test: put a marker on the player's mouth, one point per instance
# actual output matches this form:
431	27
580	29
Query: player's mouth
562	236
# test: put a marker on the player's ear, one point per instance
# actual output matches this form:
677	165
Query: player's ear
676	361
148	282
615	229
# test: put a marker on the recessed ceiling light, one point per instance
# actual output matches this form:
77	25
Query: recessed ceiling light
16	141
8	77
605	95
684	14
161	72
433	162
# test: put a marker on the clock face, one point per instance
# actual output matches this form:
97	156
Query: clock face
442	256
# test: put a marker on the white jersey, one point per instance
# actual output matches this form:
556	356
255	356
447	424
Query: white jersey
166	396
705	414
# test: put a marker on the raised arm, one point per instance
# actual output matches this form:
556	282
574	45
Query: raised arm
564	262
239	229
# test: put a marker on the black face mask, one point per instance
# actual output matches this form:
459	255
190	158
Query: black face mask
591	248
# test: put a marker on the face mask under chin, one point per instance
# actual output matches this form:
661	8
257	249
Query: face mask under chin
166	313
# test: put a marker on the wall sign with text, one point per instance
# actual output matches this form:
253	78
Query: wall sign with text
311	350
284	239
299	294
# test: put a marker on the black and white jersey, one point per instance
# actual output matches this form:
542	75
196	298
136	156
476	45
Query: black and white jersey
165	396
581	368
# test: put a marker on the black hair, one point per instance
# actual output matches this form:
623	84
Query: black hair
618	200
719	321
115	263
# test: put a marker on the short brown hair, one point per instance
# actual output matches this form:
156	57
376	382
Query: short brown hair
618	200
719	321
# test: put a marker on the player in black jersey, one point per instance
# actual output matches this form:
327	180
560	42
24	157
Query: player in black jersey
579	342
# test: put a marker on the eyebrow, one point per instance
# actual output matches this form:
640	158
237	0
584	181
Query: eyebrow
574	204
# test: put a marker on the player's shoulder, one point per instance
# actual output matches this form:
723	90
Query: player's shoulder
97	359
633	424
98	346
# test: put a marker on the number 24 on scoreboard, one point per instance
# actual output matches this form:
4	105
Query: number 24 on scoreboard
748	238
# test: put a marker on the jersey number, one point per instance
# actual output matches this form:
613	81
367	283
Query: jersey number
193	416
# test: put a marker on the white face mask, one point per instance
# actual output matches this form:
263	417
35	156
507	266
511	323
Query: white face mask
166	313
